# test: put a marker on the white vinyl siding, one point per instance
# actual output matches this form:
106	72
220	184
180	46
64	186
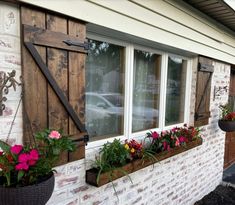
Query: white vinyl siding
167	22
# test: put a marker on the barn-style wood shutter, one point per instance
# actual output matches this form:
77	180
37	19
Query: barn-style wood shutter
53	59
203	91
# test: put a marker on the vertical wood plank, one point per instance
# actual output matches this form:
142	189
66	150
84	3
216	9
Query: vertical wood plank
202	79
35	86
229	156
43	106
77	85
57	61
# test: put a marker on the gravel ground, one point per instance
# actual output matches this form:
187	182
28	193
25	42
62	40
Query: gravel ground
222	195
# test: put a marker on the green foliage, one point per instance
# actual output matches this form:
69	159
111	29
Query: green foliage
225	110
112	155
25	165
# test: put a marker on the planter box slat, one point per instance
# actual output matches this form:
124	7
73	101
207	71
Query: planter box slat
91	174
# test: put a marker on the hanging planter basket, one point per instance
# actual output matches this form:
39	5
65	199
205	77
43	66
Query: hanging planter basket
37	194
227	126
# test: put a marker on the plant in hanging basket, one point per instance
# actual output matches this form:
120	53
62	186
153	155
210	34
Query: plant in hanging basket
26	172
227	120
117	159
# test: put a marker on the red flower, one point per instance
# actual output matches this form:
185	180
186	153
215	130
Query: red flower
32	162
9	158
23	158
230	116
22	166
1	153
33	155
2	166
16	149
165	145
155	135
182	139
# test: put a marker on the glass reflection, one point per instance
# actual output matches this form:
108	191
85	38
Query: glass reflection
104	89
145	90
175	94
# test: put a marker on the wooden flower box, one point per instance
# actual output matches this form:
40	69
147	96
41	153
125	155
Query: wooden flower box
91	174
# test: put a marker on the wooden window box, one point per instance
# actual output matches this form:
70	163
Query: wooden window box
91	174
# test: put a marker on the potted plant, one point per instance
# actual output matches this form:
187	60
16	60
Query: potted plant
26	172
227	120
117	159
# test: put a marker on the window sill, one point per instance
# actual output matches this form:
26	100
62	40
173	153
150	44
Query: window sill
91	174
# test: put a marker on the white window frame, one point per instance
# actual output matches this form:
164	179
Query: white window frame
128	95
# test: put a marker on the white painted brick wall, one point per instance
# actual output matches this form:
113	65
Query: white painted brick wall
10	59
181	180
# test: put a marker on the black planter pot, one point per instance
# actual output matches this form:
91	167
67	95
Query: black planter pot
37	194
227	126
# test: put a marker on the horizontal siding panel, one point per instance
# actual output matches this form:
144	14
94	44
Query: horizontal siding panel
195	22
91	12
148	17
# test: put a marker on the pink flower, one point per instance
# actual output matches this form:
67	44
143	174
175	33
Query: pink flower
155	135
174	129
182	139
168	148
163	133
177	143
54	135
16	149
33	155
23	158
164	145
22	166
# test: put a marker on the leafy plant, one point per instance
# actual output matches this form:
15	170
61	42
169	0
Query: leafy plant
24	165
113	155
226	113
177	136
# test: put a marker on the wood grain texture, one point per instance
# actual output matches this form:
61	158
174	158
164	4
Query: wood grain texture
229	156
67	68
203	90
77	85
44	37
57	61
35	85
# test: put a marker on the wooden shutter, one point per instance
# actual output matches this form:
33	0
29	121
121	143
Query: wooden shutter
203	91
54	76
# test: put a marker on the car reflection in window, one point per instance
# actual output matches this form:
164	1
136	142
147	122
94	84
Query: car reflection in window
107	106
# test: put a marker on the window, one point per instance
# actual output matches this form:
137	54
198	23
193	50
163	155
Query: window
131	90
175	93
104	89
146	90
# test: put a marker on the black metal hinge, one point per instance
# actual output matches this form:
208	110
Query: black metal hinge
85	139
205	68
84	45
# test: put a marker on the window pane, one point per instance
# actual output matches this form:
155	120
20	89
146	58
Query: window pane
104	89
175	94
146	90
